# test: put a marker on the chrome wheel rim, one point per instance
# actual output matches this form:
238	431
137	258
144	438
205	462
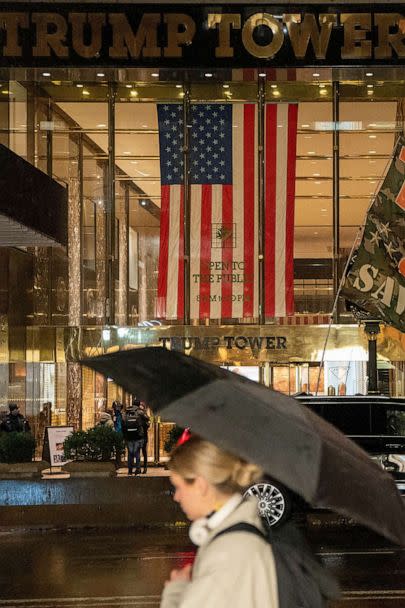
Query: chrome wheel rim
270	502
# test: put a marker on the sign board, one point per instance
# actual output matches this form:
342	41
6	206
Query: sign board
178	36
53	444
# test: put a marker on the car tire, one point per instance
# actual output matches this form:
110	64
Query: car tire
273	502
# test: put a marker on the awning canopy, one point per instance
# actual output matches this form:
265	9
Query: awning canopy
33	206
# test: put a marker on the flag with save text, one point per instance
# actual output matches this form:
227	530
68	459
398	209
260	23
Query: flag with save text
224	230
375	279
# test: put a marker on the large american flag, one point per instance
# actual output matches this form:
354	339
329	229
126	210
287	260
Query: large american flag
223	211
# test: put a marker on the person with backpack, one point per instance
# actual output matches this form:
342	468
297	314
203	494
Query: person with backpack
133	432
239	562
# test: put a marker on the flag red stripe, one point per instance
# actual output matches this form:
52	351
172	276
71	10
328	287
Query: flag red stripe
289	236
180	282
205	250
270	207
249	207
163	251
227	252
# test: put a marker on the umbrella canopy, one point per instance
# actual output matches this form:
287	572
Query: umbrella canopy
290	442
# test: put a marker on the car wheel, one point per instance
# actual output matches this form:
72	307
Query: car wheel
273	502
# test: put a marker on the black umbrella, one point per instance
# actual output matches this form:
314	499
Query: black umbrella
289	441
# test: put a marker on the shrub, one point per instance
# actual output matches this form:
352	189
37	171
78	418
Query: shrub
172	438
16	447
99	443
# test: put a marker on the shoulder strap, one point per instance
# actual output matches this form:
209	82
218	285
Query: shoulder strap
241	527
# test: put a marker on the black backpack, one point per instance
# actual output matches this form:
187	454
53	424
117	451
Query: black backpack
303	582
134	425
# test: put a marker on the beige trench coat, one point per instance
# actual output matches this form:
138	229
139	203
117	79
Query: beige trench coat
236	570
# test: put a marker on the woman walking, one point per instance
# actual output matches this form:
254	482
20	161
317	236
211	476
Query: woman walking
235	564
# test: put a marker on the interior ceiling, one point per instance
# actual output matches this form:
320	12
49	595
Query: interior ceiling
14	234
366	143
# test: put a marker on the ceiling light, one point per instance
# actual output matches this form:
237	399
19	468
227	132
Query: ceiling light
262	74
129	86
316	74
80	86
372	136
143	203
372	152
276	93
370	92
208	75
316	174
46	73
155	75
370	86
273	86
85	92
101	125
323	92
179	86
100	74
133	93
225	86
321	85
369	74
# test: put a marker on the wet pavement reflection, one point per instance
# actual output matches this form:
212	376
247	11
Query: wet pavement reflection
127	567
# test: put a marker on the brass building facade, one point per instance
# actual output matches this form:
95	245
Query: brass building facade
79	88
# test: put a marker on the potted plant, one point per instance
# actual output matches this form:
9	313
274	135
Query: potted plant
172	438
16	454
91	452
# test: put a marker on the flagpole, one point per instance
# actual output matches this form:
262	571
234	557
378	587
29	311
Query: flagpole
343	277
260	177
186	211
341	283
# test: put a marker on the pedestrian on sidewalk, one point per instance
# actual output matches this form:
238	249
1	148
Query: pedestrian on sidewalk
133	435
117	415
105	419
237	563
146	425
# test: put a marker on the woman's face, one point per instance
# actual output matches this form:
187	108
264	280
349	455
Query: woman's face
190	496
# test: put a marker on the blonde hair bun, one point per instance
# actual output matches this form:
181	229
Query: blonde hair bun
198	457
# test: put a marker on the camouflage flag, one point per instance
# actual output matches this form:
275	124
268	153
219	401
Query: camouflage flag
375	280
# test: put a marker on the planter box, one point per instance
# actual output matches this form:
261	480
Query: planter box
90	469
22	470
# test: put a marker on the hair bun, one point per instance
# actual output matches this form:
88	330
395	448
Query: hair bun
244	474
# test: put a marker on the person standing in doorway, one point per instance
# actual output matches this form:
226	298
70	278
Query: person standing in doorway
146	425
15	422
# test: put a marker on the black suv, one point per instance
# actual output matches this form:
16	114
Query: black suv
375	423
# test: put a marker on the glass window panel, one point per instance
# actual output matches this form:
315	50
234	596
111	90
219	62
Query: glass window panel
312	212
313	242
